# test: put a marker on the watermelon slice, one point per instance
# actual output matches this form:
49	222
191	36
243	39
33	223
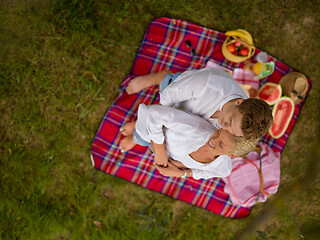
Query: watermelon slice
282	113
270	92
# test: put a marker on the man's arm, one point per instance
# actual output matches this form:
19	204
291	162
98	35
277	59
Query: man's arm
186	88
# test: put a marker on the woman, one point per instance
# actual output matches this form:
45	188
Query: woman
195	148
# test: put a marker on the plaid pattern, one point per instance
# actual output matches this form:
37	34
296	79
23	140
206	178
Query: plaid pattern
164	47
239	75
245	77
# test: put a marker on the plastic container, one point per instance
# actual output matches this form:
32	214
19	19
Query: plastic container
261	57
266	69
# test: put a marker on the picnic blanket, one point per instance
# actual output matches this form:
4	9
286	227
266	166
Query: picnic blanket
164	47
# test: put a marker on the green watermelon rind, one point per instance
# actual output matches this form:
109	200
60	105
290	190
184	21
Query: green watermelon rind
278	86
288	119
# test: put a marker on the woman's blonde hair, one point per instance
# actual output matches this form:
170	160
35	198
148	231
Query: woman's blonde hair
243	146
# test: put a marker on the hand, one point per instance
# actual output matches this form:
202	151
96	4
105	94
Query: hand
170	171
160	160
160	154
177	163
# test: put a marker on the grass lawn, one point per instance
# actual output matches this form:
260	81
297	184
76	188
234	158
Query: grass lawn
61	64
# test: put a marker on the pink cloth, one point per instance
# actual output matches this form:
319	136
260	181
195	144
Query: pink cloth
212	64
241	76
243	183
245	77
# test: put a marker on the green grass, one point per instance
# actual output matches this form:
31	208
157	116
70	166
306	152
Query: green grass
61	64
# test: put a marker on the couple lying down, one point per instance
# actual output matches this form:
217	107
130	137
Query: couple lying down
187	145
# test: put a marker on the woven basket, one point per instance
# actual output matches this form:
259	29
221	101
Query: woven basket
234	58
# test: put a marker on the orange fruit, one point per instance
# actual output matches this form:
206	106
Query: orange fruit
231	47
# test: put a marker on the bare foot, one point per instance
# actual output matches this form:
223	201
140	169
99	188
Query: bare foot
127	129
127	143
139	83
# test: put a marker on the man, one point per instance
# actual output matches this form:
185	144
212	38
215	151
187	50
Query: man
212	94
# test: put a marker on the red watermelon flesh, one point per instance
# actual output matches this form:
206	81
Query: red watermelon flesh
270	92
282	113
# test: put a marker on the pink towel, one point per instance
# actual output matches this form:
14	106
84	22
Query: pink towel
243	183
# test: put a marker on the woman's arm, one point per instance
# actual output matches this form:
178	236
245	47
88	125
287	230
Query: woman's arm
173	171
222	168
153	119
177	163
160	154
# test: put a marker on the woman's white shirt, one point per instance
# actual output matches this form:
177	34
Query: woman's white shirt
183	133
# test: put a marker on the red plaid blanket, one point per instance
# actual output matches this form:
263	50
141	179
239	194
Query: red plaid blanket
164	47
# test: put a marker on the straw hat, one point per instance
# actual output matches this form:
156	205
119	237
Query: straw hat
295	86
